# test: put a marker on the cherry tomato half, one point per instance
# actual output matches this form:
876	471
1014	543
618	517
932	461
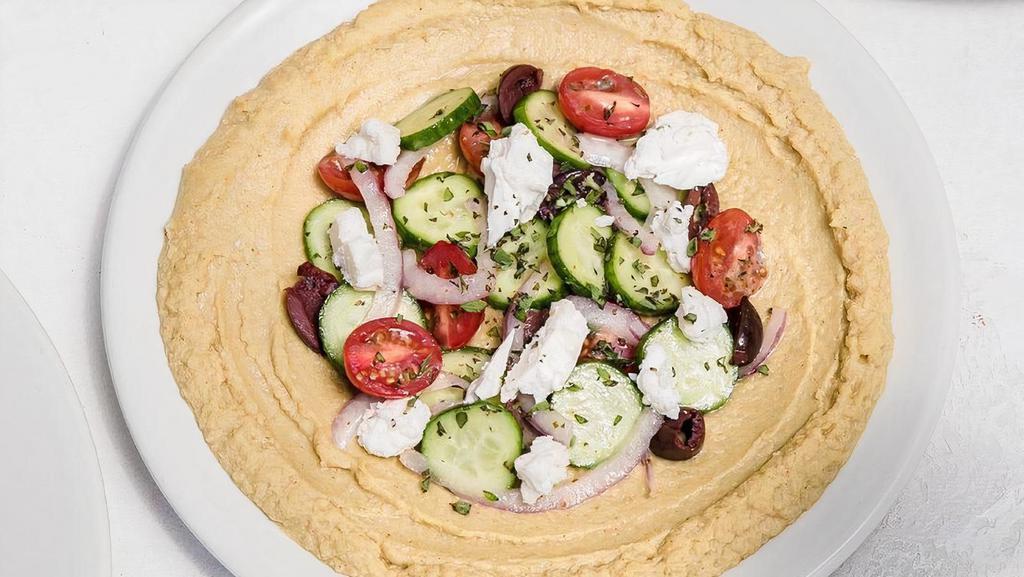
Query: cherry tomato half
452	326
335	175
390	358
728	266
475	140
604	102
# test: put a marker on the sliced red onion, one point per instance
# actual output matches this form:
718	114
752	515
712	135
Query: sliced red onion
603	151
434	289
772	336
627	223
590	484
345	424
444	381
619	321
553	424
520	408
398	173
386	299
413	460
660	195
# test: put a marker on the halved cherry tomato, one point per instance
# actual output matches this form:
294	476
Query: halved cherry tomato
335	175
391	358
452	326
728	266
475	140
604	102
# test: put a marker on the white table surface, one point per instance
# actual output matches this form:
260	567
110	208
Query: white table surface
77	75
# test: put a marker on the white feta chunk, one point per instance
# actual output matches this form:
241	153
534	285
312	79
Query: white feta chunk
546	465
604	221
517	174
390	427
550	356
699	315
488	384
671	226
376	142
657	383
681	150
356	253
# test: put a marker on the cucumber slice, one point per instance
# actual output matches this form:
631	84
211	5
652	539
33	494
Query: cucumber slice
644	283
441	206
631	193
438	118
602	405
577	248
540	113
315	233
466	363
451	395
345	309
518	254
488	336
704	377
472	449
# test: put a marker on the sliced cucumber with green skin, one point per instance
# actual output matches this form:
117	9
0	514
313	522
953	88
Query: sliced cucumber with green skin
439	117
316	233
540	113
441	206
576	247
448	395
472	449
703	375
631	193
644	283
602	405
466	363
518	255
345	309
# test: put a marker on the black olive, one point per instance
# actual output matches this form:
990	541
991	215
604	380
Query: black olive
568	185
515	83
747	332
704	200
681	438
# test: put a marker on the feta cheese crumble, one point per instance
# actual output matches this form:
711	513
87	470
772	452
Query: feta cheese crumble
550	356
517	174
657	383
681	150
699	315
390	427
356	253
545	466
671	226
488	384
604	221
376	142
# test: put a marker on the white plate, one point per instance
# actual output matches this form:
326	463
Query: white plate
53	514
260	33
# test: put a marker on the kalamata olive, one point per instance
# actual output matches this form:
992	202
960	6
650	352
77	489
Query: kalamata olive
569	185
303	302
704	200
515	83
681	438
747	332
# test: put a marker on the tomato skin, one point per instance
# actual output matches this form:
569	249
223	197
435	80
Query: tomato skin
728	265
604	102
391	358
335	175
475	142
452	326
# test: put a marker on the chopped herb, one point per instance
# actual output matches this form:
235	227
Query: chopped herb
618	419
486	129
461	507
448	194
707	234
440	112
473	306
529	157
610	109
490	496
723	363
640	267
399	317
690	317
461	418
754	227
574	387
494	332
361	166
655	280
763	369
503	258
691	248
425	482
707	365
580	419
603	374
440	430
378	358
541	406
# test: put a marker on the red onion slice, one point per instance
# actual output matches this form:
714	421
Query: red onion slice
627	223
603	151
444	381
398	173
345	424
553	424
619	321
590	484
772	336
434	289
413	460
386	299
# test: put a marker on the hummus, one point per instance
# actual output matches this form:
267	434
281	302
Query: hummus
265	402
